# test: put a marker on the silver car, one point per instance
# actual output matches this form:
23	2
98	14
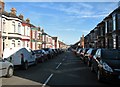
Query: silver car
6	68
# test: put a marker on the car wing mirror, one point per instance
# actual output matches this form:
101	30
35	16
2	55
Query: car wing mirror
5	59
98	58
33	53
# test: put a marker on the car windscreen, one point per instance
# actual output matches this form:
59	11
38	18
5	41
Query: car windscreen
113	54
37	51
94	51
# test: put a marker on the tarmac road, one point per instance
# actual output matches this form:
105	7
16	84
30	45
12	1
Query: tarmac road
63	70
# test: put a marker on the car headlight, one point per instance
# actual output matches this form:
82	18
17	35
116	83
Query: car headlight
107	68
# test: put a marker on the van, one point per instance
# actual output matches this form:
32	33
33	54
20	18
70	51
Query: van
22	57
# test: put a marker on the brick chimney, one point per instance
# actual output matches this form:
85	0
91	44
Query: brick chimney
28	20
42	30
13	11
39	29
2	5
21	16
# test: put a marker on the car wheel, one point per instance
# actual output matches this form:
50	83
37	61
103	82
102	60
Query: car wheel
92	68
42	60
26	65
36	62
83	60
99	76
10	72
88	63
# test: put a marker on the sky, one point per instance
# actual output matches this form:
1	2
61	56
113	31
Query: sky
66	20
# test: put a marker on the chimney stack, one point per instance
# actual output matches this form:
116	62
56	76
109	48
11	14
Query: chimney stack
28	20
39	29
2	4
13	11
21	16
42	30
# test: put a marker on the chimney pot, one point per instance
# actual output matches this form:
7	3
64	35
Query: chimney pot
28	20
21	16
13	11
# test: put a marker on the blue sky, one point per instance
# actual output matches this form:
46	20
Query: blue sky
67	20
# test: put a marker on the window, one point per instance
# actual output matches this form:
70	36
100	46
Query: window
118	22
27	44
114	43
106	27
23	44
114	22
19	27
18	43
13	43
111	54
24	30
110	25
27	31
3	25
13	24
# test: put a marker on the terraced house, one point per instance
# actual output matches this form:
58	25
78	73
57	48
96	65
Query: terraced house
25	32
107	33
10	29
15	31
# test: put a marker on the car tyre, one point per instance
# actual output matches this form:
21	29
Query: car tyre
88	63
92	68
42	59
99	76
36	62
25	65
10	72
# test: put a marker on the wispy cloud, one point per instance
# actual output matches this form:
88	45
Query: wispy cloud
78	10
94	16
72	30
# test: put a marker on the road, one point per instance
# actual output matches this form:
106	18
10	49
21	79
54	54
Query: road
64	70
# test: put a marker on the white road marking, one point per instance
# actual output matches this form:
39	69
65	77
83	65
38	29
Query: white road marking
58	65
47	80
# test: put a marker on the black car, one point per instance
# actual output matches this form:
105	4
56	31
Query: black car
78	52
49	52
82	54
40	55
89	55
106	63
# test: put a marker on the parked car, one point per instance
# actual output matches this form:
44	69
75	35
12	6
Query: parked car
22	57
106	63
78	53
83	52
55	52
40	55
6	68
44	54
75	50
89	55
49	52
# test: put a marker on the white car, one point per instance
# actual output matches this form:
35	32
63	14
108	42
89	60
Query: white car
6	68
